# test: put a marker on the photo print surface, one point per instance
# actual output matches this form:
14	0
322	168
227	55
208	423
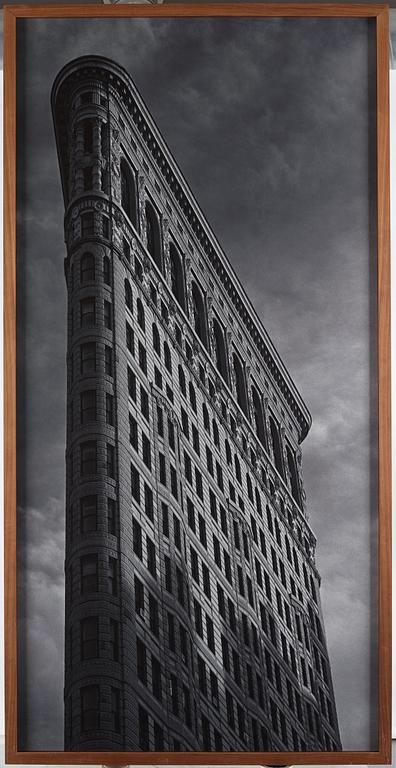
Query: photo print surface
195	403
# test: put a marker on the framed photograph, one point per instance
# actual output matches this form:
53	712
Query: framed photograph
197	384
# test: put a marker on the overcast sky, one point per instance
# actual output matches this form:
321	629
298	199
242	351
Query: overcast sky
269	122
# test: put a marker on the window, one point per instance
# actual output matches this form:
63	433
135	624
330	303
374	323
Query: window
111	516
88	514
171	434
130	338
144	403
133	432
153	615
87	312
88	357
89	638
240	383
199	313
293	474
89	704
193	400
167	357
105	227
88	406
109	409
141	661
88	457
126	249
177	276
140	314
128	192
110	460
87	224
87	268
146	450
142	358
258	416
153	235
89	573
151	557
148	502
112	577
156	340
135	483
87	129
206	580
156	677
198	483
106	270
114	640
137	539
144	739
173	479
220	349
182	381
276	445
128	295
108	360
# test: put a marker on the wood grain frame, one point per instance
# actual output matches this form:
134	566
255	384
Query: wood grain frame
380	14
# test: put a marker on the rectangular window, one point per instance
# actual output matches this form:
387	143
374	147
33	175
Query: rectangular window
165	520
146	450
195	439
217	551
151	558
168	574
173	479
223	521
153	615
142	358
111	516
156	677
198	483
88	357
87	312
108	360
114	640
177	532
88	457
131	384
141	661
198	618
109	409
89	638
139	597
180	586
105	227
89	573
148	502
194	565
137	539
187	468
230	710
210	634
160	421
87	224
88	514
144	403
171	632
130	338
144	736
110	460
135	483
113	577
191	514
209	460
107	319
202	530
89	704
162	469
157	378
206	580
171	435
219	475
133	433
185	427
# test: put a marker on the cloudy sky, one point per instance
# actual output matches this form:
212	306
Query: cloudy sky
269	122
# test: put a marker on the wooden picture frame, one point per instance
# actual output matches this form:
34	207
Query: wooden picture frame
379	15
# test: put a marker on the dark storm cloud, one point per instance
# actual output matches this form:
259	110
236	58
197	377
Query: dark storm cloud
268	121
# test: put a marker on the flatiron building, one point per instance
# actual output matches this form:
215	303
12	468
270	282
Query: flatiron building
193	618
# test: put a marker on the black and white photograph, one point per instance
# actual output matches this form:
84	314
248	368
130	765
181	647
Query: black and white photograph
196	422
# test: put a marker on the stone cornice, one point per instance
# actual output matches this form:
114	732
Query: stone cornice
114	76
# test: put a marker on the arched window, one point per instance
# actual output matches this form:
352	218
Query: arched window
128	192
240	383
199	313
167	357
156	340
276	445
182	381
87	268
153	235
293	474
193	399
258	416
128	294
140	314
177	276
220	349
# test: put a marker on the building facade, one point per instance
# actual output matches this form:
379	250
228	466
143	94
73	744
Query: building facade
193	618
